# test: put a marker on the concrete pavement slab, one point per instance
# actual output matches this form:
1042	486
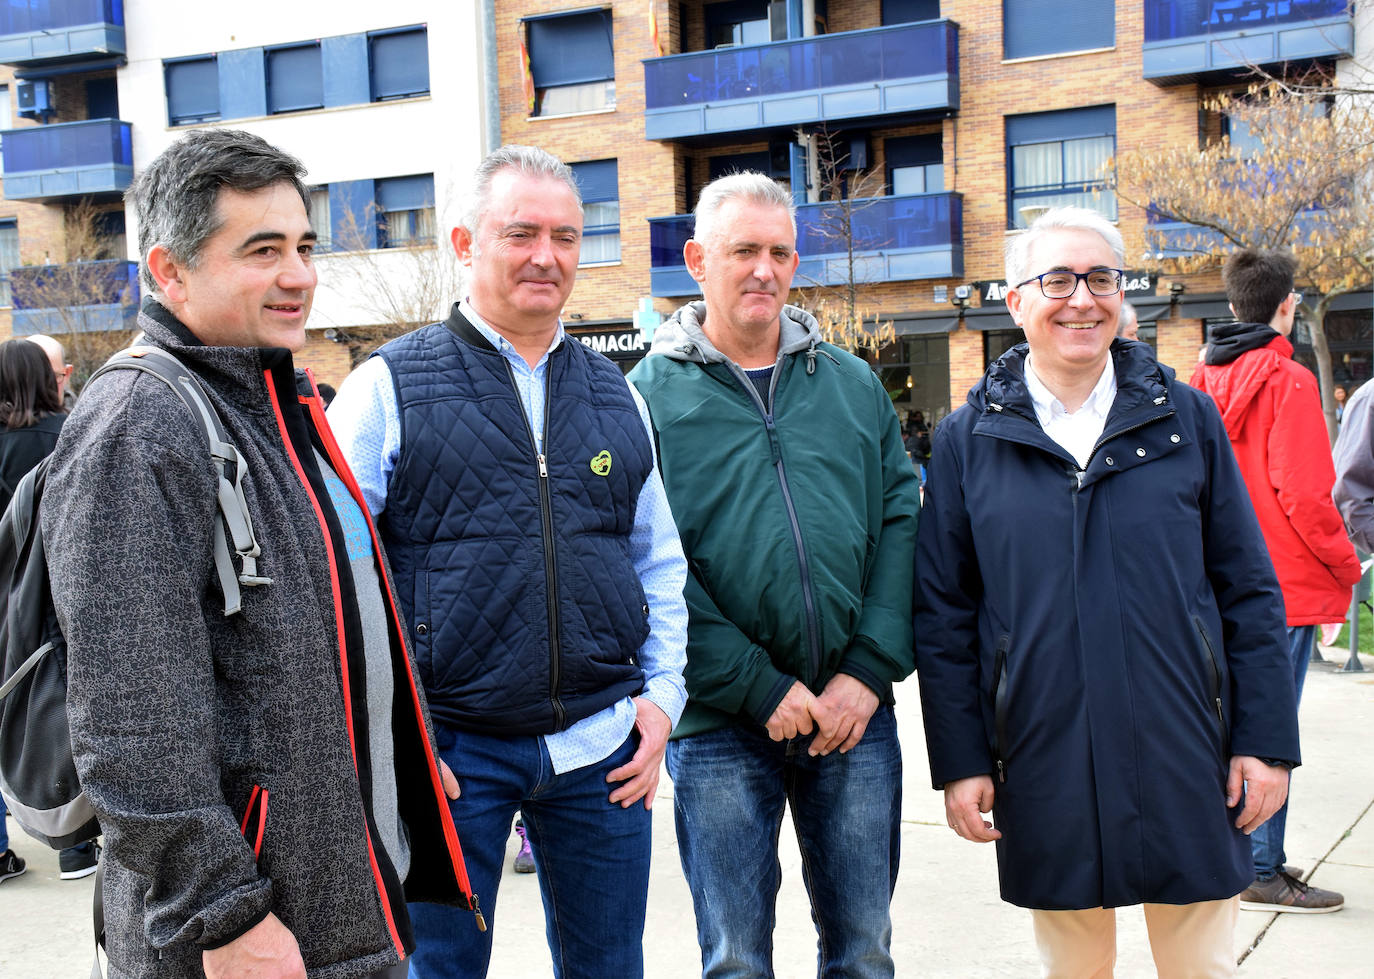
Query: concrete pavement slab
947	918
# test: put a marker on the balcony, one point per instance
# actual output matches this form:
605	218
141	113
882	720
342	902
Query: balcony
896	239
882	73
1205	40
80	297
69	159
34	32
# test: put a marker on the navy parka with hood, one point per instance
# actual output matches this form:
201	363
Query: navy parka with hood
1100	648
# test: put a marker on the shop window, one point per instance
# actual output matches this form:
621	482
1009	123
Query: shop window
1031	28
998	342
399	62
192	90
295	80
1057	158
572	62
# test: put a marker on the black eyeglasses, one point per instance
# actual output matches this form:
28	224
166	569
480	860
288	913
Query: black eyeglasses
1062	284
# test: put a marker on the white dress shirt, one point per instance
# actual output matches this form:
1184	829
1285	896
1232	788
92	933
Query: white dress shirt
1076	431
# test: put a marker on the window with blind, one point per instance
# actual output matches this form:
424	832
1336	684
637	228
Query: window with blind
1034	28
9	258
915	164
192	90
405	211
399	63
1056	159
295	80
598	181
320	219
572	62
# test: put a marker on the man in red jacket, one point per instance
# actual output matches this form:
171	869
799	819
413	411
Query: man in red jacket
1273	416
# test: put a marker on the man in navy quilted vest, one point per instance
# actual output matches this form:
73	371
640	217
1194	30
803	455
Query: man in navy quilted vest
513	475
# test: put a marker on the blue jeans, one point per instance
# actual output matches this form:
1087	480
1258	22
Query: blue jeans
592	858
729	791
1266	843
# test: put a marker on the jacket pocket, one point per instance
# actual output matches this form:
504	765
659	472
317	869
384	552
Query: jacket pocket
254	823
1215	667
1000	697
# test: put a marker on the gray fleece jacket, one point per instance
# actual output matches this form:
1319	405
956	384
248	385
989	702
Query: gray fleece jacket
226	757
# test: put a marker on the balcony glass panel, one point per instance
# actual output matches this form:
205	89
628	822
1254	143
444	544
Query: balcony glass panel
785	67
1167	20
879	224
75	284
35	16
96	142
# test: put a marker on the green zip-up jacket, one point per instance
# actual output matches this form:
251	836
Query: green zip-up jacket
799	523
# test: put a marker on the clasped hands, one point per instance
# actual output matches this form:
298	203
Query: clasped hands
839	715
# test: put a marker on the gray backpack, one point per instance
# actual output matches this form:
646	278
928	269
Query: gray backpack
37	773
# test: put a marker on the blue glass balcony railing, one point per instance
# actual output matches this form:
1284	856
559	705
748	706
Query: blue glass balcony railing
904	69
67	159
1188	38
895	239
52	30
76	297
24	16
1167	20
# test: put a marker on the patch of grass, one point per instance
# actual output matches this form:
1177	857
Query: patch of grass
1366	632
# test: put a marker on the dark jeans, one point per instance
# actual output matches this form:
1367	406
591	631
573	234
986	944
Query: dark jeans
729	790
592	858
1266	843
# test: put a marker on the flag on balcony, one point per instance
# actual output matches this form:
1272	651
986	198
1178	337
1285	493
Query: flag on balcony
653	29
526	74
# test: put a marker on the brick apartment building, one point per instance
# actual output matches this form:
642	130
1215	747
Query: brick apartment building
939	124
958	116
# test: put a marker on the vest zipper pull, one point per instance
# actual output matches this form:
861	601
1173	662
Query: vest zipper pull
543	466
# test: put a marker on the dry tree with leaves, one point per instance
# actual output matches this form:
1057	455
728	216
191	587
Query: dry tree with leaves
72	300
1301	181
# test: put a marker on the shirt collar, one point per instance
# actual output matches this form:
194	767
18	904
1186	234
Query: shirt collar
1047	406
498	341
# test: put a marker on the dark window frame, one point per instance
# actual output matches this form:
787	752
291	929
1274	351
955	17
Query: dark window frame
171	66
280	51
373	39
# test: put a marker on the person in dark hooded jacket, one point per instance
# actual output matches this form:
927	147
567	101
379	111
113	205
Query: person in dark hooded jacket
1099	634
1273	417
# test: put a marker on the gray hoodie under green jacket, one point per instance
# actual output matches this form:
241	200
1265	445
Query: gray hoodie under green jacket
798	518
226	756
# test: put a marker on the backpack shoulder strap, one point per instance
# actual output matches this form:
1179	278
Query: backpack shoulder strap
229	467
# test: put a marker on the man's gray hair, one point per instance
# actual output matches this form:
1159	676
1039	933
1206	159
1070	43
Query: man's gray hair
1125	318
1019	246
528	161
176	195
756	188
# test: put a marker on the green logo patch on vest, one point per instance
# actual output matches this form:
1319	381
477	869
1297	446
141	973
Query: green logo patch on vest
601	463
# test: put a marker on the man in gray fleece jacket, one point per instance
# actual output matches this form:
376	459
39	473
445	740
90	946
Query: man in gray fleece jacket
266	780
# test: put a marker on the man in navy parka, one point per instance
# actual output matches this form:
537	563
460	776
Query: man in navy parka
1099	634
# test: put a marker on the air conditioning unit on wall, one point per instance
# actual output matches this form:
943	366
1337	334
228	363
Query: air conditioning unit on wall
35	98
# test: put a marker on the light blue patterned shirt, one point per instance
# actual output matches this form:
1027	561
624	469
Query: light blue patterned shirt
367	423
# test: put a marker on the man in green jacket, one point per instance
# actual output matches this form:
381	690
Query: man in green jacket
783	461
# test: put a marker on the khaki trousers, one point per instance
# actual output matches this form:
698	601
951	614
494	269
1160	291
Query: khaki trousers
1188	941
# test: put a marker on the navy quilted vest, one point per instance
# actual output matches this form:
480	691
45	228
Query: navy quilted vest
521	596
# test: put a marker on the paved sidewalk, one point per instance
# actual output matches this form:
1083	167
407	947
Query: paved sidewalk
948	920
